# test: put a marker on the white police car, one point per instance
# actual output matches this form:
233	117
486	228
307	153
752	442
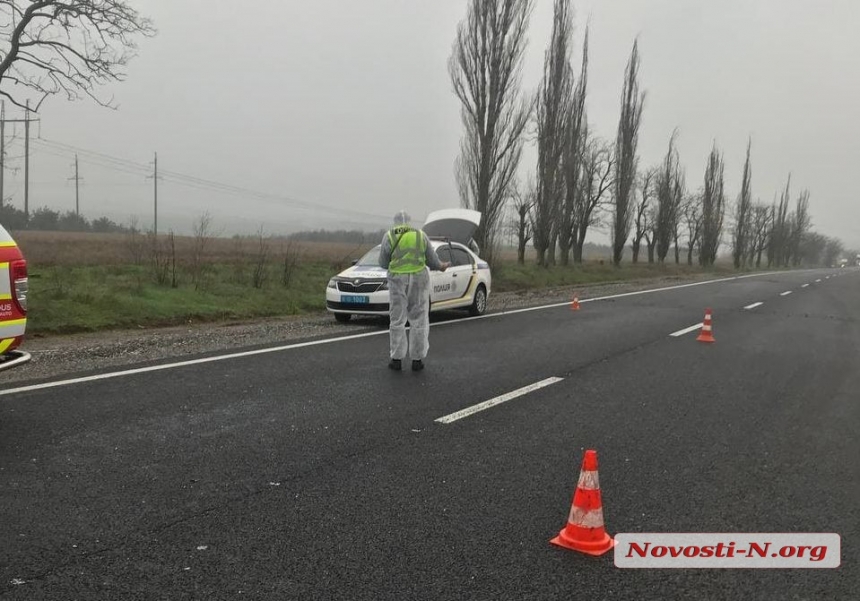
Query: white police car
363	289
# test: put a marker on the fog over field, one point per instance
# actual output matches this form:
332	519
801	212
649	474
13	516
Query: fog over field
347	107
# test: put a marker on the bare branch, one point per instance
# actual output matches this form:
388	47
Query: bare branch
70	47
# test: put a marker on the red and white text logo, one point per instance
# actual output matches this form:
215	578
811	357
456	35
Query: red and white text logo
727	550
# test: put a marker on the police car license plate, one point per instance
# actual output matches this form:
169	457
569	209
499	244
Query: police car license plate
359	300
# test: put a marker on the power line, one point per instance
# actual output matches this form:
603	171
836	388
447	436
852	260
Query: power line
113	162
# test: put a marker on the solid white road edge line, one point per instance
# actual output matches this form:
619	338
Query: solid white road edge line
753	306
276	349
142	370
786	293
692	328
452	417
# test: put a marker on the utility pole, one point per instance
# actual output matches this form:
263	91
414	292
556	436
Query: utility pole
26	121
77	179
77	192
154	177
155	193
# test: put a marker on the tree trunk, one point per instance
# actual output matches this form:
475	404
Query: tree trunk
635	249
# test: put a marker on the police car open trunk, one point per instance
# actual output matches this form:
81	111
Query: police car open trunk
456	225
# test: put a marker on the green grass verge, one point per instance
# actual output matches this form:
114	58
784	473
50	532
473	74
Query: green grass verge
92	298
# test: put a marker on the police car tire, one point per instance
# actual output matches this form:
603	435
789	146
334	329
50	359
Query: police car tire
479	306
343	317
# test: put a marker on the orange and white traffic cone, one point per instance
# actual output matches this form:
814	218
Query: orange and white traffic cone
584	530
574	306
706	334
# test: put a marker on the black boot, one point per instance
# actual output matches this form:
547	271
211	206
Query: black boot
417	365
394	364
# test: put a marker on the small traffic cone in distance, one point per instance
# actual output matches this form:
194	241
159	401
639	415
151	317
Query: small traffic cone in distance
574	306
584	531
706	335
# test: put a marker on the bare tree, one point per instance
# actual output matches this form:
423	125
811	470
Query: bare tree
551	104
669	186
646	188
679	189
595	183
135	242
202	238
780	229
759	230
261	261
743	215
800	227
693	219
651	232
575	150
713	208
522	222
485	68
832	250
292	255
626	158
65	46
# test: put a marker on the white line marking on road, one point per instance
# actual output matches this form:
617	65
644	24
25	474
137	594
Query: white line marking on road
452	417
276	349
817	280
692	328
786	293
143	370
805	286
753	306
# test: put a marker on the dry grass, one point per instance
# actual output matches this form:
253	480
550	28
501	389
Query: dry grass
77	248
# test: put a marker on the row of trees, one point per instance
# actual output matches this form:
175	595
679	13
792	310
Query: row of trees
45	219
582	180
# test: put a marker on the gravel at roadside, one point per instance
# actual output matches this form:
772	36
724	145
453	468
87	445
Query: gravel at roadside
54	356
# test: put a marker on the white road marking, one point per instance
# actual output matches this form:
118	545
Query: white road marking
805	286
753	306
817	280
143	370
452	417
786	293
692	328
277	349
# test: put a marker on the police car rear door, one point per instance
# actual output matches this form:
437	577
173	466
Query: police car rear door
441	282
462	270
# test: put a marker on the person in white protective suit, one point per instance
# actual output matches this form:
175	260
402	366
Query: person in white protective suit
408	256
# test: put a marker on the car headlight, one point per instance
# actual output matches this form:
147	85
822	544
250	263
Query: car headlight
384	285
332	283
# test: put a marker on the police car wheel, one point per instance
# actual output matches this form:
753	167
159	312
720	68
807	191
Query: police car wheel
479	304
342	317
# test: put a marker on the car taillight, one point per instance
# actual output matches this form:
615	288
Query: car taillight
18	275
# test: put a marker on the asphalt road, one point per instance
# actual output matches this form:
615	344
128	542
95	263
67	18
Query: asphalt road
316	473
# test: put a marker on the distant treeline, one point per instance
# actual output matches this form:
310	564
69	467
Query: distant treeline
348	236
45	219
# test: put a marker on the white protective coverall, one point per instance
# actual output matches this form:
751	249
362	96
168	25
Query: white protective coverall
409	300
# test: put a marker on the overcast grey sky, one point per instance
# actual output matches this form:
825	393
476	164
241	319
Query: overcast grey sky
349	104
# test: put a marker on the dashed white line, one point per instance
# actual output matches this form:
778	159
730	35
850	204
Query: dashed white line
818	280
277	349
786	293
753	306
452	417
692	328
805	286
